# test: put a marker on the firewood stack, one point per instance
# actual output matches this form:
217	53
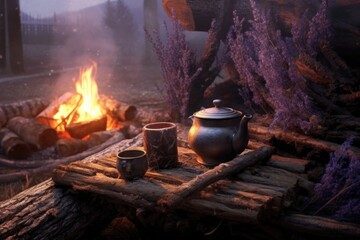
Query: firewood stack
28	127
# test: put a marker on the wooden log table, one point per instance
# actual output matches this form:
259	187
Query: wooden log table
247	189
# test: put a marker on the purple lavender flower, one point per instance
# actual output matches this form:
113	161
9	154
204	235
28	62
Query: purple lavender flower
177	62
319	29
263	57
341	181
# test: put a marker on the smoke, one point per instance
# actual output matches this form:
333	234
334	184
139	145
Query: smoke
87	40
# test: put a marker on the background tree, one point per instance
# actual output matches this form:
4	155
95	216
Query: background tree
120	21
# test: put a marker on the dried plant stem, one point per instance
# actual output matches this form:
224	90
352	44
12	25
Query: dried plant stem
345	188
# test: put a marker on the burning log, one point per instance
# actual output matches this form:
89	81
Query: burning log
70	146
27	108
100	137
81	129
46	117
33	132
12	145
121	111
31	168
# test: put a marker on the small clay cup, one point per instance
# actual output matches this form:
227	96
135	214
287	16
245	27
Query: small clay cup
132	164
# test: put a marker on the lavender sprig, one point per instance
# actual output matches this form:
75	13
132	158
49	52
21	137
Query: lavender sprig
177	61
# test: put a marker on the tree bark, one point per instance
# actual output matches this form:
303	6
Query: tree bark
49	212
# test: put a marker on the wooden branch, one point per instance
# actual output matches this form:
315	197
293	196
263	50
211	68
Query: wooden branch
301	139
174	198
26	108
205	76
33	132
350	97
319	226
41	167
291	164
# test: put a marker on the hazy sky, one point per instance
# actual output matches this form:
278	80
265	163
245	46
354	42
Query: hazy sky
45	8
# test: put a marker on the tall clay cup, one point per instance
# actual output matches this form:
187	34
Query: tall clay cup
160	144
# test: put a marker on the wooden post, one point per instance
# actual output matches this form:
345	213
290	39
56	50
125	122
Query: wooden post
10	34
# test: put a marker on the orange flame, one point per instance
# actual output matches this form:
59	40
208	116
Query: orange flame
87	107
86	86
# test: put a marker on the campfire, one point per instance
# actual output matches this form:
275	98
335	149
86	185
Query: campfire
72	122
77	115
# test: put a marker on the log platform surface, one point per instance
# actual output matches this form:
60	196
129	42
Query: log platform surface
254	195
259	193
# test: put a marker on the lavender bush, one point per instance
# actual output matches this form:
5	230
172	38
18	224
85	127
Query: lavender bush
264	58
339	188
178	63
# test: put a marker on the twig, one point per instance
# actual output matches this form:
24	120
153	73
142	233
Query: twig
63	120
333	198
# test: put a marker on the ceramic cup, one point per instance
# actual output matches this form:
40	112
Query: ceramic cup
132	164
160	144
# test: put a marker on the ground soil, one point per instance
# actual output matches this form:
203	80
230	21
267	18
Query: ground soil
134	84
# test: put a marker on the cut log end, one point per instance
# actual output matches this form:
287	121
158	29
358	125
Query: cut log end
48	138
17	150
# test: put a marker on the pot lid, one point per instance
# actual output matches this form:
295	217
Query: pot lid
217	112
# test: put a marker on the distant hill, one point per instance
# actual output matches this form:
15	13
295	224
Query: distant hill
95	14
